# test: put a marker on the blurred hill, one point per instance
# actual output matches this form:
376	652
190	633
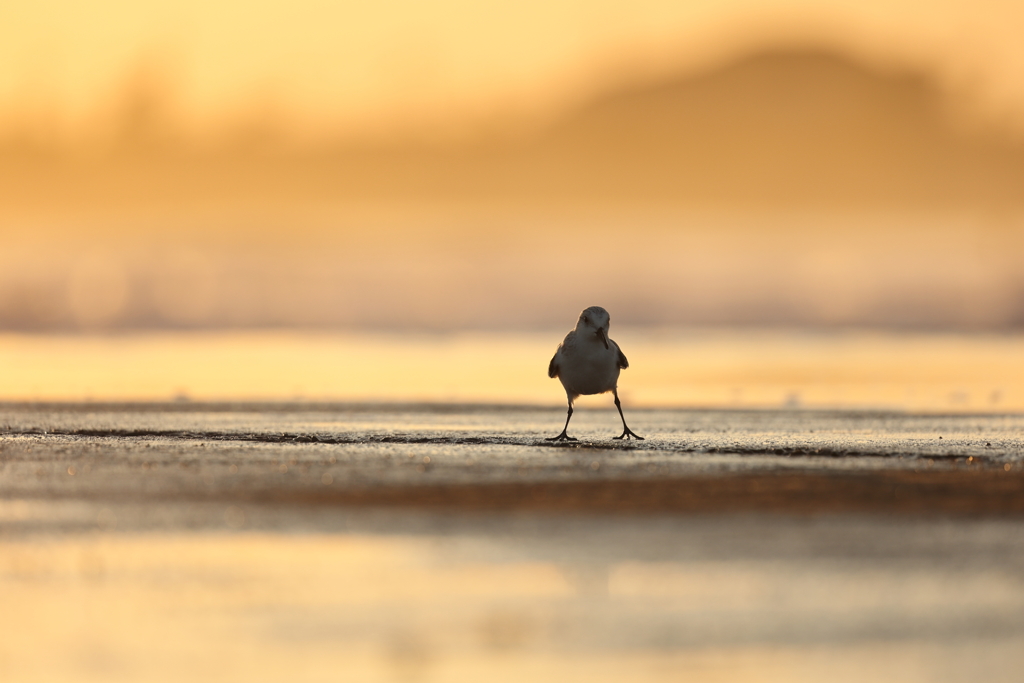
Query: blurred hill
782	188
781	129
786	129
777	130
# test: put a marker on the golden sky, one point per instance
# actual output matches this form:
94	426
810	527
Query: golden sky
738	161
343	68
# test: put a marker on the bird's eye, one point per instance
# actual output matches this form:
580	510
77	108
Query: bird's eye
585	319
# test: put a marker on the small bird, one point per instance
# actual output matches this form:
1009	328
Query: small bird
588	362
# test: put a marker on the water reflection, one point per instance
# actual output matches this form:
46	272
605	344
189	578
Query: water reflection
696	367
506	598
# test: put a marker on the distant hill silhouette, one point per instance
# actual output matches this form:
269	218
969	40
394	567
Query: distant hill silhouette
778	129
786	128
158	230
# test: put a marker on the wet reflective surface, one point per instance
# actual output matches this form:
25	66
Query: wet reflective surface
732	368
438	543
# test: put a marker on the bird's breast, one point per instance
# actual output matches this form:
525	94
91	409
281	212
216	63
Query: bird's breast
589	369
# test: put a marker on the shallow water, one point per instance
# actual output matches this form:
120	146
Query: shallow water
502	598
439	542
708	368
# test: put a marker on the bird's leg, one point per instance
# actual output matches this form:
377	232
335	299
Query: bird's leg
626	431
563	436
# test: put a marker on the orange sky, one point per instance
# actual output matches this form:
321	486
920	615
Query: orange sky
357	67
771	161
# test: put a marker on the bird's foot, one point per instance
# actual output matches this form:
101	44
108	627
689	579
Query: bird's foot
627	433
561	437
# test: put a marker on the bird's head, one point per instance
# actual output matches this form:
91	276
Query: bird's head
594	320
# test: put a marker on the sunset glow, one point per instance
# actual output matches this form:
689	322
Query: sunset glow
328	69
689	368
453	167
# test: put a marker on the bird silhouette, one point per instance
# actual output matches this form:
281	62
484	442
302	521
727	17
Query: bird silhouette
588	362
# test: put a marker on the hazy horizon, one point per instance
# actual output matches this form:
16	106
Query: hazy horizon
778	169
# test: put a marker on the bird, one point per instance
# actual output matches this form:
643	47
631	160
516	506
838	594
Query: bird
588	362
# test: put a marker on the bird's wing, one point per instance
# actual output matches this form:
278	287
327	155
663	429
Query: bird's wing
568	342
623	362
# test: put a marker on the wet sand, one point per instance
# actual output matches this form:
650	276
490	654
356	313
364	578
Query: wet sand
496	458
444	542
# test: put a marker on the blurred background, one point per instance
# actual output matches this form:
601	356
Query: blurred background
454	167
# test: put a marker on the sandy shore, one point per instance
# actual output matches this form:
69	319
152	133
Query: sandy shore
495	458
451	543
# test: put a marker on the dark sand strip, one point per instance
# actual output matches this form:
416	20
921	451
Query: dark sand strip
983	493
978	493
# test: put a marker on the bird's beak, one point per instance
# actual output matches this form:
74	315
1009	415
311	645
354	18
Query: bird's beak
603	336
